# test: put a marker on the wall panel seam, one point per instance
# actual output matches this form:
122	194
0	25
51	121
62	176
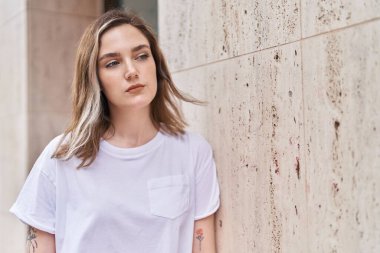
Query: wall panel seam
276	46
343	28
233	57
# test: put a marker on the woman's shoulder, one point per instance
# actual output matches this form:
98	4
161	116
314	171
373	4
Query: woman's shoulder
47	153
55	142
45	163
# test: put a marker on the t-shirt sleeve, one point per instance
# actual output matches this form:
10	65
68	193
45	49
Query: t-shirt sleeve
35	204
207	198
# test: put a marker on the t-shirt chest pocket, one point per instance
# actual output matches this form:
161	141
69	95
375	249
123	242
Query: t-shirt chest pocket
169	196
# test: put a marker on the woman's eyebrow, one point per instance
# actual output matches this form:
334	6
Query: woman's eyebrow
137	48
110	55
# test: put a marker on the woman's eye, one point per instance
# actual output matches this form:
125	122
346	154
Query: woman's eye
142	57
111	64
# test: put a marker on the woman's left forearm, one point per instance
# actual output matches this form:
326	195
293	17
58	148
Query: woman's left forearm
204	235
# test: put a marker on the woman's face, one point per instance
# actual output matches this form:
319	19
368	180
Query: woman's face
126	68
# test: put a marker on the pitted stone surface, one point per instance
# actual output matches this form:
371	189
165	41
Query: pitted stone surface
294	127
255	106
341	82
199	32
326	15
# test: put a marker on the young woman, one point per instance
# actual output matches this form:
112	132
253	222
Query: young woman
125	176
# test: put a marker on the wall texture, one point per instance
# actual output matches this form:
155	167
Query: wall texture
13	118
38	43
294	90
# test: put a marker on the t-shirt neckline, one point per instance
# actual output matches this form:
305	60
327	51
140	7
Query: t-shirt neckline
131	153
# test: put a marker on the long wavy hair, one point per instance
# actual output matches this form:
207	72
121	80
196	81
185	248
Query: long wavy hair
91	116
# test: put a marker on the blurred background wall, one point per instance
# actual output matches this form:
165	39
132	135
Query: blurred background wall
293	92
13	118
293	117
38	43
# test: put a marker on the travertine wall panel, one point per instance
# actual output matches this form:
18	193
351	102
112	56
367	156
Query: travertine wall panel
10	9
293	121
46	125
255	131
341	81
12	158
13	153
326	15
13	70
81	8
199	32
53	41
13	132
39	40
12	236
53	38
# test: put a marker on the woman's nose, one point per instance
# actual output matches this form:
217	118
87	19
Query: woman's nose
130	71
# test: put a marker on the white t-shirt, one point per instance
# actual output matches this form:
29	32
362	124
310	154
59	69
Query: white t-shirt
143	199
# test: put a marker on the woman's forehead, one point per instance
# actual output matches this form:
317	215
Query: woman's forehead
125	36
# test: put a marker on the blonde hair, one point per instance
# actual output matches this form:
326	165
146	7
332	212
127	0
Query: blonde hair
91	117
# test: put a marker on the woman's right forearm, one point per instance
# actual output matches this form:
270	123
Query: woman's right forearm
38	241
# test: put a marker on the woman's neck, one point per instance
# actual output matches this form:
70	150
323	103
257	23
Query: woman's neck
131	128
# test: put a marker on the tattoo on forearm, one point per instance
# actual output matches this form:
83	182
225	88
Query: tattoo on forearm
31	242
200	237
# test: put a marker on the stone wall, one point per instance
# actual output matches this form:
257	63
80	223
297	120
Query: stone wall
38	44
293	90
13	118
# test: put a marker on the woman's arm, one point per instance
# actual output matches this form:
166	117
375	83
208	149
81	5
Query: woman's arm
204	235
38	241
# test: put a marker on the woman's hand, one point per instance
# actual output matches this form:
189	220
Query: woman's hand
204	235
38	241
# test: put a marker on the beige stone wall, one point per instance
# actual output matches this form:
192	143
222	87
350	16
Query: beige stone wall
38	43
294	90
54	29
13	117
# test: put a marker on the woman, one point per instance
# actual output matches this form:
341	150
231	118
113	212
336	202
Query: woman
125	176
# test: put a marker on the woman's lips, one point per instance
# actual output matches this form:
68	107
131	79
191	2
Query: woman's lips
133	87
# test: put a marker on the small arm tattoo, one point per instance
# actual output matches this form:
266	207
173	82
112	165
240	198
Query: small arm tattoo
31	242
200	237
